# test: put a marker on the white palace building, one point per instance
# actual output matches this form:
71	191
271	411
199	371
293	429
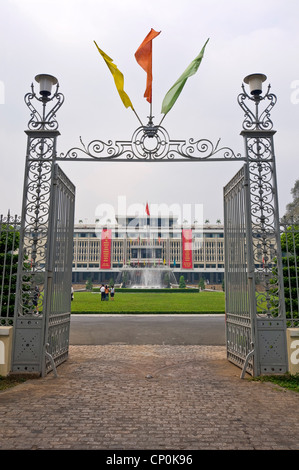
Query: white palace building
132	247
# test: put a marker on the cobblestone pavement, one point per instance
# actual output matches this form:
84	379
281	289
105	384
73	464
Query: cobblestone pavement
148	397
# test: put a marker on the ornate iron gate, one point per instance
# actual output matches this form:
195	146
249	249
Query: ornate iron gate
60	270
256	329
43	301
255	307
240	311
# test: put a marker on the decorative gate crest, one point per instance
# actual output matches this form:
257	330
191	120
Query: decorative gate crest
151	143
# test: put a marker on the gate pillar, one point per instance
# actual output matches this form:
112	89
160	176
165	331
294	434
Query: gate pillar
265	273
32	302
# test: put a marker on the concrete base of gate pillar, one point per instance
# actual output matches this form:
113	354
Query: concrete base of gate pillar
293	350
5	349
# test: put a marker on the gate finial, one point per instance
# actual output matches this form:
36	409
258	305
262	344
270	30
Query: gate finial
256	120
44	119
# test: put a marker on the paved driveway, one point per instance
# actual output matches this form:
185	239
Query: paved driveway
143	397
148	329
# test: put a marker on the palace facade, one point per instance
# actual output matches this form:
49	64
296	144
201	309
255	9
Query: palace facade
104	252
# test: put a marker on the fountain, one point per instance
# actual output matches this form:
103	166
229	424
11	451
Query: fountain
146	278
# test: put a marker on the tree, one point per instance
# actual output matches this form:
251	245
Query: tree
9	243
290	263
292	209
9	248
201	284
124	279
290	258
167	280
88	285
182	283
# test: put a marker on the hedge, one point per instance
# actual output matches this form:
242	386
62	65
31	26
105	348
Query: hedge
157	291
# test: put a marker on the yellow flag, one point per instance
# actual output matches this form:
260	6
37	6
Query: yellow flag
118	78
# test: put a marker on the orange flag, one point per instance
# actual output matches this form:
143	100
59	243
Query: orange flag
143	56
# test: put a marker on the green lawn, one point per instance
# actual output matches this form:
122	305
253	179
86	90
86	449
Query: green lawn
202	302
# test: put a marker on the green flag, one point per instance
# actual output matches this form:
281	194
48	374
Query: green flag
174	92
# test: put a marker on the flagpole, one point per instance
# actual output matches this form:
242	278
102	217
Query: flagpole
162	119
138	117
151	102
148	251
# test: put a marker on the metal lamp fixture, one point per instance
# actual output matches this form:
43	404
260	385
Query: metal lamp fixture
46	82
255	81
45	118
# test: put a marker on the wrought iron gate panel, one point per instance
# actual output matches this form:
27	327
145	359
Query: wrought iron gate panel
60	269
239	308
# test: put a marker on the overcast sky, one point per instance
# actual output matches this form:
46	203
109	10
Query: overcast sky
56	37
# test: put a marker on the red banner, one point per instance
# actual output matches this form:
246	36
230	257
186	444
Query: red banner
187	249
106	249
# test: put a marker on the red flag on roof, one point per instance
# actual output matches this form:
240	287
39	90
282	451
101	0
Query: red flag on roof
147	209
143	56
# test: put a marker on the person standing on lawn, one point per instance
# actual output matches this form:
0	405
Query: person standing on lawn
102	290
106	292
112	293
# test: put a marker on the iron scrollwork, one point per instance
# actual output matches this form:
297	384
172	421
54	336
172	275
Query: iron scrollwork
151	143
34	244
